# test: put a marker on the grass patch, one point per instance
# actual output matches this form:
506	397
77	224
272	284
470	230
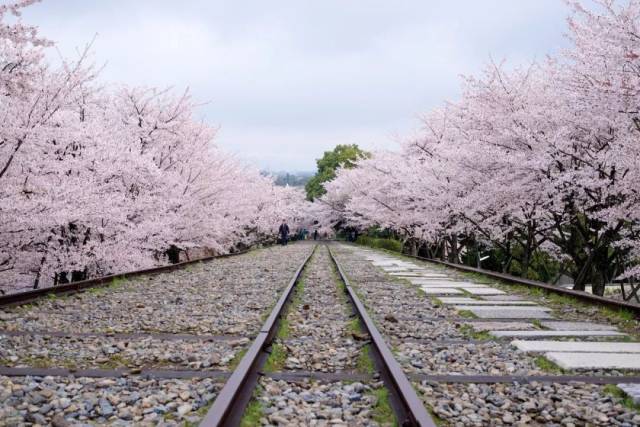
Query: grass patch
537	324
364	362
621	314
233	363
275	361
379	243
435	417
547	365
382	411
618	393
354	326
476	277
437	302
278	356
252	414
41	362
118	281
467	314
116	361
468	331
284	329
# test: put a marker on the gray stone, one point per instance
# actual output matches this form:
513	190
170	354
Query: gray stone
632	390
500	308
544	333
184	409
577	326
504	298
440	282
395	269
37	419
105	407
451	285
59	421
472	301
507	312
628	361
502	326
441	291
577	346
483	291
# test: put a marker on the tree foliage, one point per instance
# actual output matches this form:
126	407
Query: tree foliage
96	179
537	166
342	156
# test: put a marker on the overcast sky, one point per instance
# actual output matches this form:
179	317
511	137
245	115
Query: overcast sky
287	80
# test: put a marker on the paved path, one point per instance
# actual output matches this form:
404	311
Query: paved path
579	346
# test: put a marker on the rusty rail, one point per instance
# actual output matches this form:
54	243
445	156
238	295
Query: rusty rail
409	408
229	406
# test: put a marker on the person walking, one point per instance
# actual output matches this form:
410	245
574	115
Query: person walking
283	231
315	234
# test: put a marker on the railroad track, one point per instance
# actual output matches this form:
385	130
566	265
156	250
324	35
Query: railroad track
154	347
231	404
483	352
354	336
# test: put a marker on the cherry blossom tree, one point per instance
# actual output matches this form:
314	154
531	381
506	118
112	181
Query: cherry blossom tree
539	159
95	180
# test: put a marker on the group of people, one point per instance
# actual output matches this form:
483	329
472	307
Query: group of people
283	233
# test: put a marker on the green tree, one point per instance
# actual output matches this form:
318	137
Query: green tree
343	156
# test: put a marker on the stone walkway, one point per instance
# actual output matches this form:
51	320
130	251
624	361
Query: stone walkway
435	282
537	330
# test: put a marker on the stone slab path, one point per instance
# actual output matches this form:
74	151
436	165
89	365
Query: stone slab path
572	346
542	333
579	360
538	322
430	337
572	326
474	301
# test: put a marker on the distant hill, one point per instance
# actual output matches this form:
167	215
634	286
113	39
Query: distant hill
292	179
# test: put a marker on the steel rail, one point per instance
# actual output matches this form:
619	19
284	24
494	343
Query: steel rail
19	298
410	410
229	406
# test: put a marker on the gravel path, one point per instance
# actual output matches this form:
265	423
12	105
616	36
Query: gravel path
534	404
320	334
320	337
488	358
67	401
404	315
228	296
106	352
318	404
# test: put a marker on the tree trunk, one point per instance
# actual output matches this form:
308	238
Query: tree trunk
453	255
598	283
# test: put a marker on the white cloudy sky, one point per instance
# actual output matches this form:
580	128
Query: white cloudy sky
287	80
